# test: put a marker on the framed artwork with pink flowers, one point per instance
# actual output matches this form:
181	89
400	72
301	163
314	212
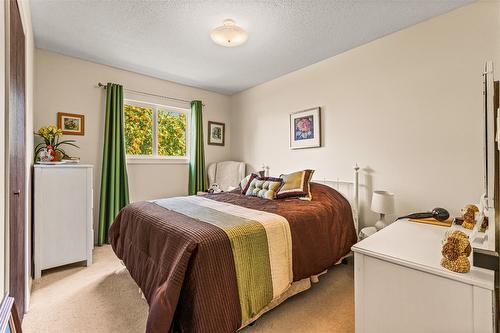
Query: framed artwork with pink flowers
305	129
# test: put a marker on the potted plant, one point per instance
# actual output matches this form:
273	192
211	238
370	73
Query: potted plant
51	146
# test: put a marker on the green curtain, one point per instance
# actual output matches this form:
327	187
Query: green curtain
197	172
114	180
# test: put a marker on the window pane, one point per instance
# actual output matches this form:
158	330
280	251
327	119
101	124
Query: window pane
171	133
138	130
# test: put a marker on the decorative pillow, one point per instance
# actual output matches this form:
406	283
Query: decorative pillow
244	181
263	187
296	185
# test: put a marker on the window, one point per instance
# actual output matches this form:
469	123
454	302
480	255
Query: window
155	131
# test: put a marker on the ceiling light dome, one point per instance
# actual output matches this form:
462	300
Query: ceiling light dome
229	34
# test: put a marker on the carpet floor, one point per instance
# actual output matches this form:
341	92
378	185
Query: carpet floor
104	298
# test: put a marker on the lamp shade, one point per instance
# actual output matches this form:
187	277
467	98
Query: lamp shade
383	202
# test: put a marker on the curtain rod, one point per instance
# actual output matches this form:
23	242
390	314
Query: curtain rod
101	85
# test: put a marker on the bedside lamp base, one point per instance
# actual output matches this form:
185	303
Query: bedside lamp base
380	224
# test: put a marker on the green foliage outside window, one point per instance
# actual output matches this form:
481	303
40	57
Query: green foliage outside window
171	131
138	130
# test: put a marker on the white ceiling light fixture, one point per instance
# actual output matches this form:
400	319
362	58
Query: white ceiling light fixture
229	34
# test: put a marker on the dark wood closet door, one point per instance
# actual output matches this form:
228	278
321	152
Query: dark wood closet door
17	160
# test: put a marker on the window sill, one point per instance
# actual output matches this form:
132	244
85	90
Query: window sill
157	160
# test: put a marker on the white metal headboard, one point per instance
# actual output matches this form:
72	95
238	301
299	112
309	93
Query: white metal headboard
349	189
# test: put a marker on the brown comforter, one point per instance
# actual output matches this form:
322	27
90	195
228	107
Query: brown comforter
185	266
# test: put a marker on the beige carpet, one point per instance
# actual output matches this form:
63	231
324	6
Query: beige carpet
104	298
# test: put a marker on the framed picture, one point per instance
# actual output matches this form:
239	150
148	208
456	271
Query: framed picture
216	133
305	129
9	320
71	124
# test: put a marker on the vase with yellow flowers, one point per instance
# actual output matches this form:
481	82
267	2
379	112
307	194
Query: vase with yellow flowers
51	146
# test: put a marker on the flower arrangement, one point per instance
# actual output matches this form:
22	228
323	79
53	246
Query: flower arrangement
51	146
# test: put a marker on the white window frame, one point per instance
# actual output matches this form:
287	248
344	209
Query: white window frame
155	158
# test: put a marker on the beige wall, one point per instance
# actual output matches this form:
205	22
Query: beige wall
406	108
67	84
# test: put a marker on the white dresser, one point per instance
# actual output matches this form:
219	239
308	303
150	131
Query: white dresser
63	215
400	285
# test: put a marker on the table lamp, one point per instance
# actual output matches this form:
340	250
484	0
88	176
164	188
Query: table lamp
382	203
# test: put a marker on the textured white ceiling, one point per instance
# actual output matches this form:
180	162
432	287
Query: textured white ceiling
171	39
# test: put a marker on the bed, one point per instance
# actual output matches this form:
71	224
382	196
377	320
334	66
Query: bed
215	263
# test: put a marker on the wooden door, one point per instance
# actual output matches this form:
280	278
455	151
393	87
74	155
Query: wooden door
17	160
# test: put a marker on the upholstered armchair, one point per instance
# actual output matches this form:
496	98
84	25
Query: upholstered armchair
227	174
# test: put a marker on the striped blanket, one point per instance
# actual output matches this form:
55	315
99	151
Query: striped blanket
261	246
214	263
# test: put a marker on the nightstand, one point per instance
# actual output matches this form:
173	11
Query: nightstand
400	286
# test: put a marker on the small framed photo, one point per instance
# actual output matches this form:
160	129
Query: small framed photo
305	129
9	319
216	133
71	123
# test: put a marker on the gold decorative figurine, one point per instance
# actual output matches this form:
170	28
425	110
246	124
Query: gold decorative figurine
455	251
469	215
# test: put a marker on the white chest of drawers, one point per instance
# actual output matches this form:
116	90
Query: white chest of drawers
63	215
400	285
